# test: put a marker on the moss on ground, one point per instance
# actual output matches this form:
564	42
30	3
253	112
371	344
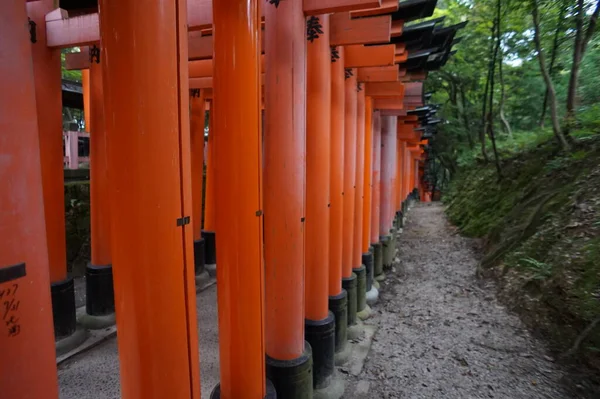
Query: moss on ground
541	225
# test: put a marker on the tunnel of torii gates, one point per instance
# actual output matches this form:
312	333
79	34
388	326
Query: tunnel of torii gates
317	135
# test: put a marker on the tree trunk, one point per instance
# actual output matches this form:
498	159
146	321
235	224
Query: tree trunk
505	123
555	44
496	31
549	85
484	119
465	116
581	41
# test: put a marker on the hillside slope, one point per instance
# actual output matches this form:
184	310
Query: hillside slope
541	230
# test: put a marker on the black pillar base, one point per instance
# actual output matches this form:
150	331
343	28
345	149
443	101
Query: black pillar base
63	308
349	284
338	305
292	379
320	334
210	247
399	216
361	287
377	259
199	256
368	261
99	290
271	394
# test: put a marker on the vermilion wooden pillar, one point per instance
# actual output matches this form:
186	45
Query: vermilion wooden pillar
394	177
387	129
367	250
407	172
388	149
368	175
402	173
28	369
348	277
208	232
338	297
320	323
238	192
99	278
358	268
289	365
48	96
399	176
85	85
376	197
197	119
151	204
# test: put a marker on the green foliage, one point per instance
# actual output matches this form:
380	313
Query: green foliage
460	85
77	219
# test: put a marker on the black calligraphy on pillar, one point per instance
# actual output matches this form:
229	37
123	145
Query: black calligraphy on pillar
95	54
335	54
195	93
348	73
313	28
32	31
359	87
274	2
10	309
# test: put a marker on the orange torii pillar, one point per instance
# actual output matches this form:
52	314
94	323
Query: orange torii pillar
406	180
289	361
319	321
402	183
48	96
209	230
359	268
349	278
151	196
338	297
388	149
367	250
28	369
197	119
238	192
376	199
100	303
416	180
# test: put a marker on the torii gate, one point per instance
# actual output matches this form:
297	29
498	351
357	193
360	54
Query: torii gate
152	203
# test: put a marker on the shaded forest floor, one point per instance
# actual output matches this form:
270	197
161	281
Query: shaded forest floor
540	226
442	333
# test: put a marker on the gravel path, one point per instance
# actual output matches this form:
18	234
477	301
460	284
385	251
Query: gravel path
441	331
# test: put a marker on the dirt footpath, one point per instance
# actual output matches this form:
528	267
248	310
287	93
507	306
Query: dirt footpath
442	333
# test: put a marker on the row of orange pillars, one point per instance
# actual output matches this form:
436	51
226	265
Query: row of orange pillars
303	203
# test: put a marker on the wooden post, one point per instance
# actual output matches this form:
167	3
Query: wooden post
289	365
319	323
99	278
338	297
366	249
357	265
237	164
28	369
151	204
348	277
197	119
48	96
85	85
208	232
376	197
388	129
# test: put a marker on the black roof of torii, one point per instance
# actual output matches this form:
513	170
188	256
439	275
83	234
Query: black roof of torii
411	10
